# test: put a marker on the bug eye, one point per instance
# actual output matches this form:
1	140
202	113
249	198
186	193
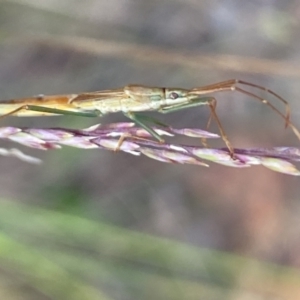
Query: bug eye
173	95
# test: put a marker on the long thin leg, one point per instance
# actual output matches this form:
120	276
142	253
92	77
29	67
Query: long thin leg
149	119
139	119
211	102
232	85
94	113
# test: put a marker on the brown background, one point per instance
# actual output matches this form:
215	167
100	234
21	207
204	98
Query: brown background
74	46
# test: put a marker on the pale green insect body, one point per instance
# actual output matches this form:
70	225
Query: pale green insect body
135	98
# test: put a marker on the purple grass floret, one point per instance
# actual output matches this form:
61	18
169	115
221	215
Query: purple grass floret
131	139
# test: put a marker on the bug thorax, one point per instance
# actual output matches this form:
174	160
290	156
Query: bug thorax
144	93
160	96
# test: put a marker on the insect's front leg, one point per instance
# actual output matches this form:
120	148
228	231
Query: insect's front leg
212	103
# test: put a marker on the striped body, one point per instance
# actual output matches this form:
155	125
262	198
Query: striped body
133	98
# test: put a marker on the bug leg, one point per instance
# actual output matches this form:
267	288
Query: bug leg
54	111
121	141
151	120
140	120
83	113
23	107
211	102
234	85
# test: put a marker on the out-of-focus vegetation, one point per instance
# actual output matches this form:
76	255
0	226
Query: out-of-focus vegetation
100	225
67	256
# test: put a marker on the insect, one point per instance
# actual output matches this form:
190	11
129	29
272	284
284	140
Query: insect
132	99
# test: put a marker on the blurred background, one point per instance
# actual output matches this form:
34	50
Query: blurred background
91	224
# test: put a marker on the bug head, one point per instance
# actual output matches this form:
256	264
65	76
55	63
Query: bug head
179	96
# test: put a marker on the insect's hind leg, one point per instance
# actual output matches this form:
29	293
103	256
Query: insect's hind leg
54	111
14	111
